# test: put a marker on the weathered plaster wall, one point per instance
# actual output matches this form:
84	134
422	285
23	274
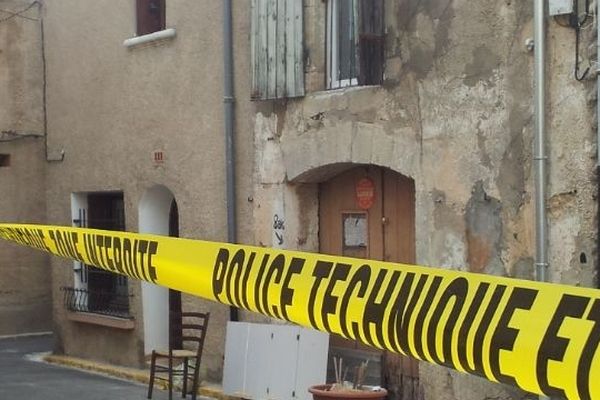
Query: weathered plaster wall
572	195
455	114
25	290
25	287
20	69
110	107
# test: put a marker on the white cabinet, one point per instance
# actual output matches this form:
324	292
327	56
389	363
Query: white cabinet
264	361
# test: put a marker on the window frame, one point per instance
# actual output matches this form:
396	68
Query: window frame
144	19
332	46
366	56
95	290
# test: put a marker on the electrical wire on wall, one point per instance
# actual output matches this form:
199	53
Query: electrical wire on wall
13	14
578	23
61	158
10	135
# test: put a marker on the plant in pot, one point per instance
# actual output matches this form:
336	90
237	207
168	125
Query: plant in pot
343	389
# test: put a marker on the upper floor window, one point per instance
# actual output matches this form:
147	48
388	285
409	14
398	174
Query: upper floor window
355	42
150	16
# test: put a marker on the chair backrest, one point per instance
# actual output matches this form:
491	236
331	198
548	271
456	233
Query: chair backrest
190	330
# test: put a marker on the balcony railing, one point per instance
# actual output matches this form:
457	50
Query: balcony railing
97	302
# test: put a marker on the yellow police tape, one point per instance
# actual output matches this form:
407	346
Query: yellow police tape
541	337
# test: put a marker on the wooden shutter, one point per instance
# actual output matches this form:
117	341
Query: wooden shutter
277	49
150	16
371	42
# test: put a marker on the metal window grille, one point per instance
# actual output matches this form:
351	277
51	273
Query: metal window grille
80	268
105	211
96	302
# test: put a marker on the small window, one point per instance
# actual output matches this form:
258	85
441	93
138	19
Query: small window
150	16
98	291
355	43
4	160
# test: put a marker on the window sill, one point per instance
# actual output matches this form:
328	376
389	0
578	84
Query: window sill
153	37
344	90
103	320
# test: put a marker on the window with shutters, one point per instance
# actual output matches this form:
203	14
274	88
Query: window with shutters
277	49
150	16
355	43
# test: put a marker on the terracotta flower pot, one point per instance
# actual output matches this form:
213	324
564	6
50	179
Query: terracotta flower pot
322	392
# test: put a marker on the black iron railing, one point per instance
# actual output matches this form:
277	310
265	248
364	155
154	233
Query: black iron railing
97	302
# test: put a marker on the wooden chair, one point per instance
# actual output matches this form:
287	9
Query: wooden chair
189	330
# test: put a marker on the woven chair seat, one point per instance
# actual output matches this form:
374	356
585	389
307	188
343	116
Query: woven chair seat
176	353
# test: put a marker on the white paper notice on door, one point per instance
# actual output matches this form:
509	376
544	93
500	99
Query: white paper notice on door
355	230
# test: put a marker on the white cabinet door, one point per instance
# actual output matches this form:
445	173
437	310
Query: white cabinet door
279	362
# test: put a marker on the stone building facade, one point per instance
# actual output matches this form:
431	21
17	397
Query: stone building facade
127	134
140	121
453	117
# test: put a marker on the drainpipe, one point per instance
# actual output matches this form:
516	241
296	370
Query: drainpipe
540	158
228	102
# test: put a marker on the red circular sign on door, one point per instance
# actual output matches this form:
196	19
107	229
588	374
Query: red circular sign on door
365	193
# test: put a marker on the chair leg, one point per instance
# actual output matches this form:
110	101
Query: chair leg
152	367
185	377
195	382
170	378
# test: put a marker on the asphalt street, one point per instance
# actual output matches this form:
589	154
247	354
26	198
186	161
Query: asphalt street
22	377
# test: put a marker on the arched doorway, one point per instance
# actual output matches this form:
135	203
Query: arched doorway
369	212
158	214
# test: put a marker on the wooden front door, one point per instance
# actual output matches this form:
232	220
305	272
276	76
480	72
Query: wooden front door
369	212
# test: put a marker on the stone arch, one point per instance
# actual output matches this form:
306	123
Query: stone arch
330	151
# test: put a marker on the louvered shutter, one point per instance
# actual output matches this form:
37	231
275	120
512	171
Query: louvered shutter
277	49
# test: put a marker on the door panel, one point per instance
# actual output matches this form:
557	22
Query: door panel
337	203
387	229
338	196
401	372
398	218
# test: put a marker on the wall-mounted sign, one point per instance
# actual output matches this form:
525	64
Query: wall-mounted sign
158	157
365	193
278	231
278	235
